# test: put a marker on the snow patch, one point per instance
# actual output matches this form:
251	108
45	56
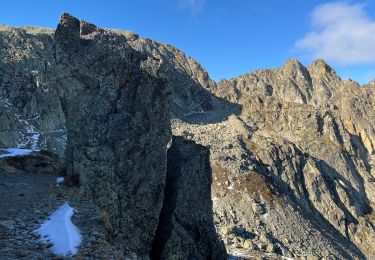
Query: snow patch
59	180
266	209
11	152
32	134
61	232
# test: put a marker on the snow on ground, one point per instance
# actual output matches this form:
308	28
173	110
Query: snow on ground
11	152
59	180
266	209
61	232
230	187
33	134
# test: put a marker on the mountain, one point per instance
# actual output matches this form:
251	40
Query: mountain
277	162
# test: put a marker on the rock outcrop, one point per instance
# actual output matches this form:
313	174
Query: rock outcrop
30	110
186	229
190	83
116	105
308	135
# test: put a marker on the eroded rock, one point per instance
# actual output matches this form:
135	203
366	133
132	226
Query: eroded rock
30	110
116	103
186	229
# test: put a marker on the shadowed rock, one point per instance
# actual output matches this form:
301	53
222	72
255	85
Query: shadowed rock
186	229
30	110
116	104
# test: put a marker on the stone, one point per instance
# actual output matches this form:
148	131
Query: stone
30	111
116	105
263	238
312	257
8	224
248	244
23	253
270	248
228	229
3	233
186	229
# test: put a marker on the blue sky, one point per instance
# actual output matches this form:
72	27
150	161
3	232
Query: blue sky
230	38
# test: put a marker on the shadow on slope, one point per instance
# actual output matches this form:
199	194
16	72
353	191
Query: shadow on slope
195	104
186	228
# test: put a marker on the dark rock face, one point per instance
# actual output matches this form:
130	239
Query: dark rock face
186	229
30	111
191	86
116	104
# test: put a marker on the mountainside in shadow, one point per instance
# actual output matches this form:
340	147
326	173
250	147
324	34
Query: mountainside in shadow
289	152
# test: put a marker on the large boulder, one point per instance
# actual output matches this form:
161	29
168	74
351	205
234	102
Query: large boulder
116	103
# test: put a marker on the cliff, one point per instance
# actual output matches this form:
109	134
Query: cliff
286	154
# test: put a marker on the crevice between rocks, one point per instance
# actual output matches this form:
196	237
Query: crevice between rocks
186	229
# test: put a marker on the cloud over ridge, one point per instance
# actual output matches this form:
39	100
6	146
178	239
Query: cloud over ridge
340	32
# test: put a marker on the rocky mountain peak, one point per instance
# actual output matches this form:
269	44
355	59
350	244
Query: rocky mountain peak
68	27
292	64
320	68
372	82
292	67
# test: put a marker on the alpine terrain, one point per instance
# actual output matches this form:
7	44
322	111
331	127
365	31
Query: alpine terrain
158	161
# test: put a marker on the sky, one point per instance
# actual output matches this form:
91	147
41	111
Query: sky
230	38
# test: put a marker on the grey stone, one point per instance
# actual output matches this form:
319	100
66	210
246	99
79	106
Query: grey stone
248	244
8	224
30	110
116	104
186	229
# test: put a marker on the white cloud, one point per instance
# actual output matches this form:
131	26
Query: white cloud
340	32
194	6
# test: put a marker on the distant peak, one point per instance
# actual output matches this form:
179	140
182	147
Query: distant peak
292	62
321	66
292	67
65	17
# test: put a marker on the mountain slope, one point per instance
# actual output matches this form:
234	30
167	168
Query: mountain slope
292	149
310	136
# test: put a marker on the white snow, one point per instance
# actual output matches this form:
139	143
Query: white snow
32	134
61	232
59	180
11	152
267	210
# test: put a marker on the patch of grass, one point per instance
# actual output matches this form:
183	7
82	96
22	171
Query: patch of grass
252	183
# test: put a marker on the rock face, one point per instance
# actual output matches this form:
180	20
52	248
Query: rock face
307	137
186	229
30	111
116	104
190	83
291	149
